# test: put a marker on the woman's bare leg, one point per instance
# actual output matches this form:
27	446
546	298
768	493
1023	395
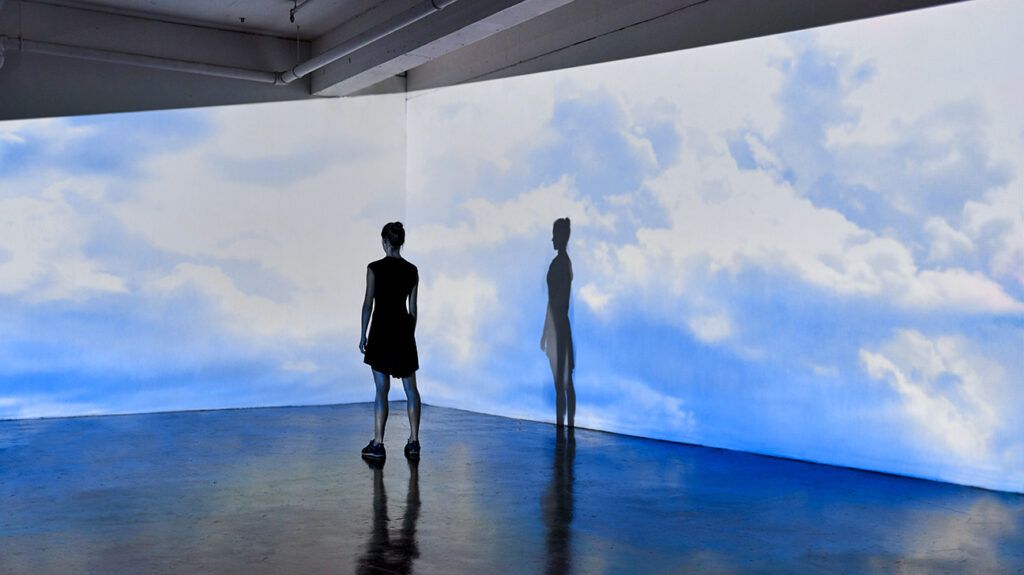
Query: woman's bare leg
412	396
557	370
570	396
380	405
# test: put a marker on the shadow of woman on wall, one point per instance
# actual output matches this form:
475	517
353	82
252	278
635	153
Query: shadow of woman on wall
556	338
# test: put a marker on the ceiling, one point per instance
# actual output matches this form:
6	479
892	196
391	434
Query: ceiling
67	57
313	18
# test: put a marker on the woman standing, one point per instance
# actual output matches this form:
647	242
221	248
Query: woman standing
390	349
556	339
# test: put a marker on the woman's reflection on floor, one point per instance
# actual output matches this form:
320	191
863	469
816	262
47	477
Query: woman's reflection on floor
556	338
558	503
385	554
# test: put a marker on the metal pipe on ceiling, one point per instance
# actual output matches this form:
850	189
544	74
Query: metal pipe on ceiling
391	26
409	16
296	6
108	56
394	24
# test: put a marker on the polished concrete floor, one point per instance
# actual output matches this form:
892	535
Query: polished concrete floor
284	490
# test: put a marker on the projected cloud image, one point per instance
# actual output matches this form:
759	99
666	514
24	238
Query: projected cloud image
809	245
191	259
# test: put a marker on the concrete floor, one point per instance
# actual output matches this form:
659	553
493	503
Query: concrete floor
284	490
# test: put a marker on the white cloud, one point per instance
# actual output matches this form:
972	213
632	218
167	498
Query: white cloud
958	289
711	328
10	137
635	409
529	214
642	148
675	87
52	134
960	52
333	177
464	117
824	370
722	220
300	366
756	220
947	242
453	312
594	297
246	313
700	87
43	239
999	218
950	394
763	155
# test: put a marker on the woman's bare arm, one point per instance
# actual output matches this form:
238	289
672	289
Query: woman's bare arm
544	330
367	308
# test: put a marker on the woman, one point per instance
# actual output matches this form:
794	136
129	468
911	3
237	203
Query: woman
556	339
390	350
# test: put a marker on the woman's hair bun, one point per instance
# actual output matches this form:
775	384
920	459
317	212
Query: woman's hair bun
560	231
394	234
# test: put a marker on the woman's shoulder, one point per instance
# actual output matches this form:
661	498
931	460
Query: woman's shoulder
392	263
560	261
411	268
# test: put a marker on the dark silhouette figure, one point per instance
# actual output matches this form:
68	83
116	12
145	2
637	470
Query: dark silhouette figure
558	503
556	339
386	554
390	349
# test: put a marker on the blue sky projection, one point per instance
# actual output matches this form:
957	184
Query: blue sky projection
190	259
809	245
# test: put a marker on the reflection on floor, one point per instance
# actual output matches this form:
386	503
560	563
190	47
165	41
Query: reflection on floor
284	491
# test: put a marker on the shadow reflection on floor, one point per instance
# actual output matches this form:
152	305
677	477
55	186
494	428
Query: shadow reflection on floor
385	554
283	490
557	504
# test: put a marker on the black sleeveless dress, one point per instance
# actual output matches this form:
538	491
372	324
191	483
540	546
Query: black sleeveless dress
391	344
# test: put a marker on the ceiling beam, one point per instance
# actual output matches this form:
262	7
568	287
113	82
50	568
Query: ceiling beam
44	84
593	31
467	40
100	30
460	24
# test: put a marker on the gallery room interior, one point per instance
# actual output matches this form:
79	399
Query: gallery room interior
723	286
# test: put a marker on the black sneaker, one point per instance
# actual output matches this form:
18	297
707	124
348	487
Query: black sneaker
412	450
374	451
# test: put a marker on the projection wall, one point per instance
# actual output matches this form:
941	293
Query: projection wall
192	259
809	245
